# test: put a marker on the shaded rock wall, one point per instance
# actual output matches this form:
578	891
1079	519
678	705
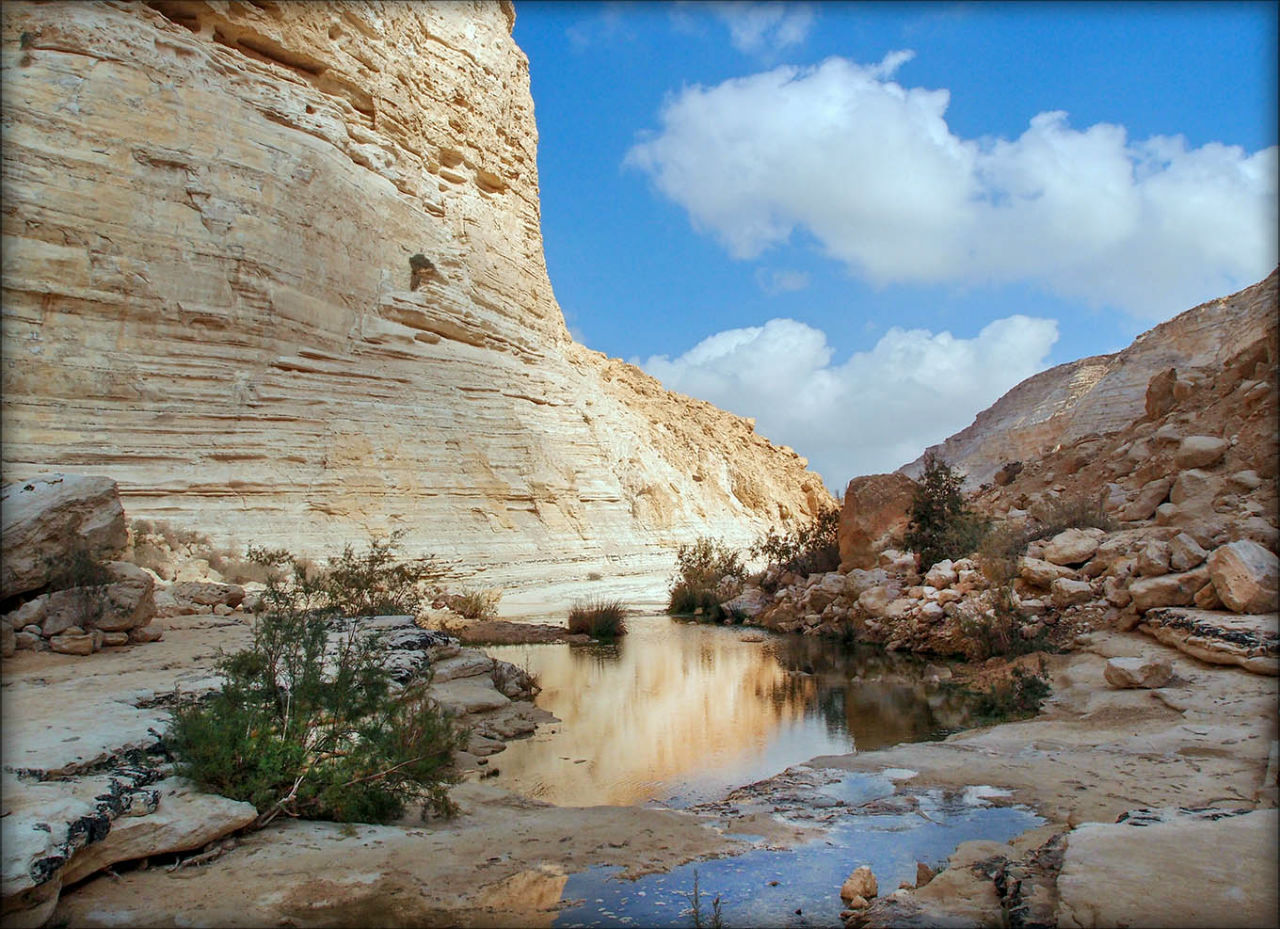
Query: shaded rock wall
210	211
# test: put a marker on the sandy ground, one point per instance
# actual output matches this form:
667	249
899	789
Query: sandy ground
1095	752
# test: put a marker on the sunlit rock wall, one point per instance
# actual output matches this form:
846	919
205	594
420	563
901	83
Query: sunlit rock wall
209	215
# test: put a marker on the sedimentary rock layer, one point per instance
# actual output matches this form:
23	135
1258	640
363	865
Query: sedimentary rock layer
1104	392
277	269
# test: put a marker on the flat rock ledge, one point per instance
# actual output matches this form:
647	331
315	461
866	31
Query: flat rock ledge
1250	641
86	782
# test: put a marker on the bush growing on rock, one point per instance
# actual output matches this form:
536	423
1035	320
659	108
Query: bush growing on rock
708	572
811	548
598	618
942	525
309	721
1018	696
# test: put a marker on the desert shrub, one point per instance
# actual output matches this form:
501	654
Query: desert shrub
80	571
1001	633
1074	512
942	525
1016	697
473	603
706	571
308	721
598	618
810	548
1006	542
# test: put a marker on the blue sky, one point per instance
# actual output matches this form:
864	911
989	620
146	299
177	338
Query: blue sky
862	223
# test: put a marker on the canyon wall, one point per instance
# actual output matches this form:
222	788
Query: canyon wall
277	269
1101	394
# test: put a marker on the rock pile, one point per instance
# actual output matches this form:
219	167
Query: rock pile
61	585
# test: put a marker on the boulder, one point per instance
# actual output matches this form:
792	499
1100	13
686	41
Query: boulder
1040	573
1153	558
1207	598
876	600
1067	592
46	518
749	603
1185	552
1200	451
1149	498
1160	399
1149	673
126	602
876	507
1072	546
1244	575
861	883
72	643
8	640
941	575
1167	590
1192	484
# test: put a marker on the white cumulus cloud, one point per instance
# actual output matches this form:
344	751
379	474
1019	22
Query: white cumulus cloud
872	413
872	170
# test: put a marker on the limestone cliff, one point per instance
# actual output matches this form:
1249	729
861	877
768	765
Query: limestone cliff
1101	394
277	268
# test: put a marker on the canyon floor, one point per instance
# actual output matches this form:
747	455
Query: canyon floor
1206	743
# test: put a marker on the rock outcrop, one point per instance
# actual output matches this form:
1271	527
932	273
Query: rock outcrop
277	269
1060	407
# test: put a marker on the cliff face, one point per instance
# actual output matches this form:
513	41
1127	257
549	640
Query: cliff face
210	211
1103	393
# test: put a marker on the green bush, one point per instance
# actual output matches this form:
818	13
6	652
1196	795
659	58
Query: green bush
811	548
703	569
309	721
598	618
1017	697
942	525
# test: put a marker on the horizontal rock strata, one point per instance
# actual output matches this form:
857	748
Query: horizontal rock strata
278	271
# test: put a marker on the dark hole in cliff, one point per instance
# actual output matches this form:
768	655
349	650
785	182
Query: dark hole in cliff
177	11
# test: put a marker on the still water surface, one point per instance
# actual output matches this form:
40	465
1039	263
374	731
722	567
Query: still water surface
680	713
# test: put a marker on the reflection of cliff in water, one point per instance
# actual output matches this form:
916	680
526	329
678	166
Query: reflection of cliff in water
685	710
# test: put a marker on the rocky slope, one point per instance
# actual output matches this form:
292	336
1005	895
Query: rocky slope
277	269
1101	394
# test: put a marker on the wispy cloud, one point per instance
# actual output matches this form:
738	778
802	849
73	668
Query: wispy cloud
761	28
872	413
873	172
774	281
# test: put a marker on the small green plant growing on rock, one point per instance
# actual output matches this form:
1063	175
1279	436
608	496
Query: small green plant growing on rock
942	525
309	721
705	568
1019	696
598	618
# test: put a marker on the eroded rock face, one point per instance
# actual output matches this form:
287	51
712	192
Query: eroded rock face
214	220
876	508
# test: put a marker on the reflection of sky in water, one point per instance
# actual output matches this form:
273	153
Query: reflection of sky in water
680	712
808	876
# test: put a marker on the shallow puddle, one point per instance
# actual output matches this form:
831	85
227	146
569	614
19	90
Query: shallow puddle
800	886
679	713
